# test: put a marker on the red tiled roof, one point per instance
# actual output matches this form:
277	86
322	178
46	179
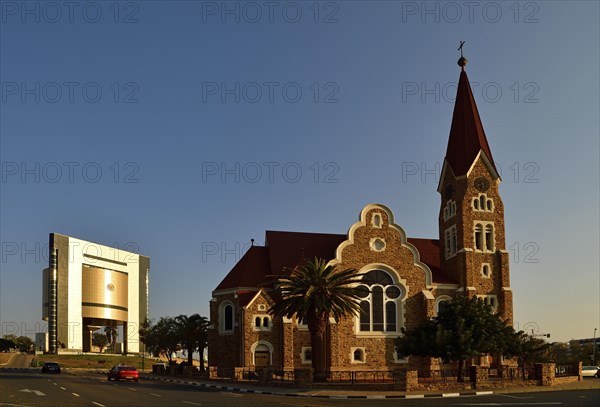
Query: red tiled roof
250	271
285	250
467	136
288	249
429	252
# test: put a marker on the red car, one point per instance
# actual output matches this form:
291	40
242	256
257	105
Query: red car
123	373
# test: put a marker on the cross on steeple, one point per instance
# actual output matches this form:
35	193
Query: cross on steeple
462	61
460	48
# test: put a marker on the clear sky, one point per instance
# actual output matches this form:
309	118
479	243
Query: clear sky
182	129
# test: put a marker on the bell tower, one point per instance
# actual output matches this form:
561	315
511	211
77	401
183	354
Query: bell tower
471	219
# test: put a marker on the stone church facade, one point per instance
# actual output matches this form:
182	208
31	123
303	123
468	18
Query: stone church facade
404	280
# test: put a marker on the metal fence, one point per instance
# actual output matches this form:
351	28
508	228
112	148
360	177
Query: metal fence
441	376
566	370
511	374
357	376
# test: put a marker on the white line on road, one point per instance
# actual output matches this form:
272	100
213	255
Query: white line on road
98	404
132	389
540	403
155	395
232	394
75	394
192	403
62	388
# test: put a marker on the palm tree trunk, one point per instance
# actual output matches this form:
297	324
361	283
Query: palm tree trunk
318	345
201	351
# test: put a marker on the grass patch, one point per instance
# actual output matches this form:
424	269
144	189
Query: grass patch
102	362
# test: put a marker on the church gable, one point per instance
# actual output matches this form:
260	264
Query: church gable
375	241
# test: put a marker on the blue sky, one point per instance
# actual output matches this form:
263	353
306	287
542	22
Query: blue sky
183	129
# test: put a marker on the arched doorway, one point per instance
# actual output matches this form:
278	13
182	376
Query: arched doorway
262	354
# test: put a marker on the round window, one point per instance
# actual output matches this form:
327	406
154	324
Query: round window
392	292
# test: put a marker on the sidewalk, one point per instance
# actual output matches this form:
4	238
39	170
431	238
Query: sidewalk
586	384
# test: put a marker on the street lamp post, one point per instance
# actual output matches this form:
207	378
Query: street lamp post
594	348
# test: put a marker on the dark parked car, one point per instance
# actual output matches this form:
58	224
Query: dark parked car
123	373
51	367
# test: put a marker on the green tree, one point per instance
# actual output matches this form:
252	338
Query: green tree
7	343
463	329
100	340
313	293
162	337
190	332
24	343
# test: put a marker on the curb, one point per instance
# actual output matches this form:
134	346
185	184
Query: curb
339	396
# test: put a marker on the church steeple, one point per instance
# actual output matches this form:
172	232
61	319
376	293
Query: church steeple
471	219
467	136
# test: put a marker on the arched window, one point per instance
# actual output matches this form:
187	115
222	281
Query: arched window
380	302
482	202
358	355
226	317
478	237
476	203
441	302
266	322
376	220
489	237
257	322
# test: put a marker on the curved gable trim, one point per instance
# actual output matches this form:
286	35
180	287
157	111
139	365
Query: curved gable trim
362	222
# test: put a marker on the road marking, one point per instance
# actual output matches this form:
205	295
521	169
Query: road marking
63	388
192	403
516	397
75	394
539	403
232	394
37	392
56	384
155	395
98	404
132	389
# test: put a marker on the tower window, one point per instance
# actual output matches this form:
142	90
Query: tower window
484	236
490	300
449	209
485	270
483	203
478	237
451	241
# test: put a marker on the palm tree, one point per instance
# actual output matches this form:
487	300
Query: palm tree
190	331
313	292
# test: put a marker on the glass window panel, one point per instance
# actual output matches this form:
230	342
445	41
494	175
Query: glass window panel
365	316
228	317
377	295
390	315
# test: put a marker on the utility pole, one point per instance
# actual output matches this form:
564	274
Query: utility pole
594	348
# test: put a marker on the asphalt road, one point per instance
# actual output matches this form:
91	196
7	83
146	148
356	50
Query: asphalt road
28	388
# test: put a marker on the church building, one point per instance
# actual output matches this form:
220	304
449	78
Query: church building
408	279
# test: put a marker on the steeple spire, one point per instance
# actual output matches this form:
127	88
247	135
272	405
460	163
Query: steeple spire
467	136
